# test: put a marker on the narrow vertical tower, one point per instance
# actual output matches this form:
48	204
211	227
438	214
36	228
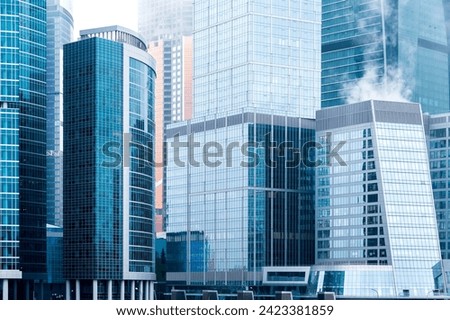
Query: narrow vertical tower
23	88
439	151
60	32
167	26
108	166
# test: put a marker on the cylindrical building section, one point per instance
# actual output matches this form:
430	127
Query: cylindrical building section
109	168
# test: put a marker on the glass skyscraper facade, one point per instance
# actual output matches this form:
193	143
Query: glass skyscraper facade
173	102
23	87
108	165
256	81
165	19
261	56
442	276
405	41
240	198
439	148
167	26
59	32
355	281
55	258
374	202
9	199
175	86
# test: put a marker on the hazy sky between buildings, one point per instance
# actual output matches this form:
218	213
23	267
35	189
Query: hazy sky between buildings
100	13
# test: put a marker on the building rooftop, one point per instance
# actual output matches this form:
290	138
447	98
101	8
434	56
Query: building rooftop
116	33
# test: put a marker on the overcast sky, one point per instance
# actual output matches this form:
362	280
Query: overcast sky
100	13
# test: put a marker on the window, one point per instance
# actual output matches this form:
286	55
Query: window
286	276
438	133
372	198
371	176
372	231
323	244
372	220
372	253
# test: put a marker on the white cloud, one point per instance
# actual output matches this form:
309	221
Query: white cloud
371	86
390	85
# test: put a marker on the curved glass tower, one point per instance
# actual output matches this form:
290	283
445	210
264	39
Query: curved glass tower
108	165
388	42
23	87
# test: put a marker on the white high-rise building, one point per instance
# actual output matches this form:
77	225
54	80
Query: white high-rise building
375	216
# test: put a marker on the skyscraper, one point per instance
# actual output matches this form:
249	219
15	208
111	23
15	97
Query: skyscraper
23	87
438	132
240	198
259	56
9	195
374	201
167	26
173	99
59	32
165	19
385	49
256	86
108	165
